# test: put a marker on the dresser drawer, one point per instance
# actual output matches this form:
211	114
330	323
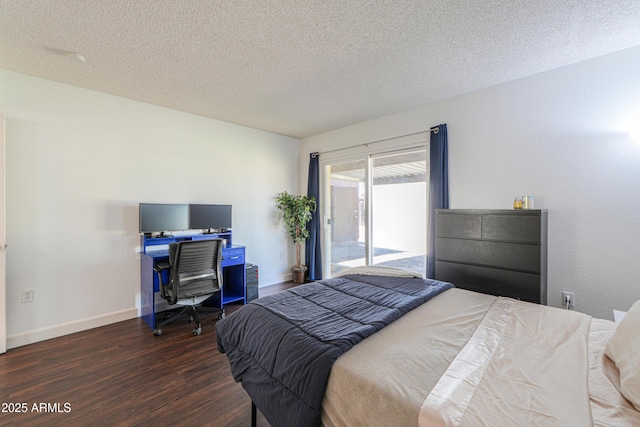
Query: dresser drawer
511	228
490	254
458	226
506	283
233	256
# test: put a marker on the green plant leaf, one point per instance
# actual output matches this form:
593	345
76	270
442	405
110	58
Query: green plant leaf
296	213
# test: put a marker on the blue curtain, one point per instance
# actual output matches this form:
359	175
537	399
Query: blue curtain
438	189
312	253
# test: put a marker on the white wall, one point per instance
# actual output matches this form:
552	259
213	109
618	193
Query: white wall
561	137
79	162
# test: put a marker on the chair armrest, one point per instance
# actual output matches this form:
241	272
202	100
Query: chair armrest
159	268
162	265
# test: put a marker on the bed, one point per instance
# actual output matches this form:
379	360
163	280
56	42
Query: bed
450	357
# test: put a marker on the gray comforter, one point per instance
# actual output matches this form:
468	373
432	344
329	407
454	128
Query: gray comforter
281	347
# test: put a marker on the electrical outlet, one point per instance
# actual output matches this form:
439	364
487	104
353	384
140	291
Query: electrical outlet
568	299
27	295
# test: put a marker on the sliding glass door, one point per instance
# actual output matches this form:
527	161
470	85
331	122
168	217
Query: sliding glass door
376	212
399	210
345	216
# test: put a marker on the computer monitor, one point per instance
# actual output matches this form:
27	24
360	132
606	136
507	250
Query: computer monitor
209	217
160	218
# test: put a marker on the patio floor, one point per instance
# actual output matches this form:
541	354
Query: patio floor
352	254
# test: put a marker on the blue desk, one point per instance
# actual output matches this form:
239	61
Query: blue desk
156	249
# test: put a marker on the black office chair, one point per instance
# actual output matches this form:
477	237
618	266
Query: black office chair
195	275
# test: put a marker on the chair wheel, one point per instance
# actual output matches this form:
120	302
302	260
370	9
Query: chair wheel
190	319
221	316
157	332
197	332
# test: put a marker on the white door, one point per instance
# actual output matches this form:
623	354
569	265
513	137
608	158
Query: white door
3	245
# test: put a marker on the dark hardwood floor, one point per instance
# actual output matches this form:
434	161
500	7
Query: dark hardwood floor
123	375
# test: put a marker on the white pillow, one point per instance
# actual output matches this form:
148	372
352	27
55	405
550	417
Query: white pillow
374	270
624	349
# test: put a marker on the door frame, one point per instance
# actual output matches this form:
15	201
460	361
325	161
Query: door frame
3	242
360	152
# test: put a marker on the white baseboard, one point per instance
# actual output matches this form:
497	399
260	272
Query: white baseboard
287	278
56	331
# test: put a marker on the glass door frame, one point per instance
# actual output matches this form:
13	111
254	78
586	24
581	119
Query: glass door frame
365	152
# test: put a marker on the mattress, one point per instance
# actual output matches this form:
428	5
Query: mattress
468	359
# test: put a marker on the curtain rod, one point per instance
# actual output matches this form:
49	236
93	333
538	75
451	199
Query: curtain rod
434	129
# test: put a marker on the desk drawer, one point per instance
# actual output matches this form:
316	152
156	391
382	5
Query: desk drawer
233	256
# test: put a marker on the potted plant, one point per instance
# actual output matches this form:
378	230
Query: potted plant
296	212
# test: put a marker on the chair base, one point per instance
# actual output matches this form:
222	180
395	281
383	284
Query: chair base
192	312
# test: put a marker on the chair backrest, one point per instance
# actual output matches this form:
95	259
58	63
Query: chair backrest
195	269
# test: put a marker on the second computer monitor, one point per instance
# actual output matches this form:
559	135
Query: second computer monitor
209	217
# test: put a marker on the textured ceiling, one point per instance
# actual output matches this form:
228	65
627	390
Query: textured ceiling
304	67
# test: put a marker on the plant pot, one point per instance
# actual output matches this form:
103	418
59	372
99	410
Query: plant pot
298	273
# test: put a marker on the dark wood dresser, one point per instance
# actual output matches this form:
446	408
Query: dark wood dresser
497	252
